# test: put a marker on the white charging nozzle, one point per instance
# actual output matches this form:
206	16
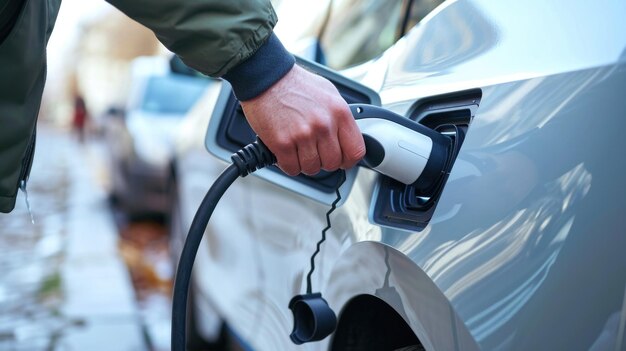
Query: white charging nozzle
401	148
394	150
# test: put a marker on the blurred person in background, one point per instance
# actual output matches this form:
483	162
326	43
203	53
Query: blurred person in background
300	116
79	119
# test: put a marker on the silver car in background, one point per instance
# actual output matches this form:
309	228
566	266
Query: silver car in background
140	138
525	247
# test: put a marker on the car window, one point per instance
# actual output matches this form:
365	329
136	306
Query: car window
172	94
359	30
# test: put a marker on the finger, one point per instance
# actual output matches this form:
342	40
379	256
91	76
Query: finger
351	142
287	159
309	157
330	153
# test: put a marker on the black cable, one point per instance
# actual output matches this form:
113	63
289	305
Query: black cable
247	160
188	255
333	206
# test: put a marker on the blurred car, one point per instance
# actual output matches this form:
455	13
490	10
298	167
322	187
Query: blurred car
140	138
523	249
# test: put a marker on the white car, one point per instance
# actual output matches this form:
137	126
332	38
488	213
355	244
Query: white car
524	247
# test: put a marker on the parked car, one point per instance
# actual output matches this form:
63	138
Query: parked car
523	249
140	138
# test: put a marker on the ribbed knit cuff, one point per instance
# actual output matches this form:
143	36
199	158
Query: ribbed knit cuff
255	75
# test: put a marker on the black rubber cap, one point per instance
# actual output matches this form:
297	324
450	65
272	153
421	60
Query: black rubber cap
313	319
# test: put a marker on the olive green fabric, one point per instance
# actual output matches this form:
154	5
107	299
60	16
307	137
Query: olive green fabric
22	77
211	36
8	15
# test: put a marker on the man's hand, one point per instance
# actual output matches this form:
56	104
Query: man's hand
306	124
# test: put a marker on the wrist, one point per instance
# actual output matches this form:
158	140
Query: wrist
269	64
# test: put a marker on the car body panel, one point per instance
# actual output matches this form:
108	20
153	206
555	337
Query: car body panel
532	182
525	250
405	287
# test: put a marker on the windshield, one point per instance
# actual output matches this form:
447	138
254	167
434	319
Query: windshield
172	94
359	30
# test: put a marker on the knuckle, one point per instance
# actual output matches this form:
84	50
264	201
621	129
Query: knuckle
304	132
341	111
318	122
283	145
322	128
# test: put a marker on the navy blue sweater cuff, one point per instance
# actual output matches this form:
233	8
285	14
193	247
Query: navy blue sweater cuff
255	75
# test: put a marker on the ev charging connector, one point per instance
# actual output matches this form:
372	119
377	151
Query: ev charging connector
400	148
395	146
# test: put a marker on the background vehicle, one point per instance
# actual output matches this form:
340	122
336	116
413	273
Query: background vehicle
524	249
140	139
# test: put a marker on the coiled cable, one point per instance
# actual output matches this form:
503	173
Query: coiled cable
333	206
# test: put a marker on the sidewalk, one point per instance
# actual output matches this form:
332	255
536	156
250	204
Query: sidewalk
64	285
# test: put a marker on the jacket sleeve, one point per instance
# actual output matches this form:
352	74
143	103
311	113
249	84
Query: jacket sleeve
211	36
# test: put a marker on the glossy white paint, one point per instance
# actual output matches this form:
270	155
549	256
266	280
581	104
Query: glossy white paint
526	248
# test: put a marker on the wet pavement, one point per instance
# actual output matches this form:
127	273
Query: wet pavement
144	246
64	283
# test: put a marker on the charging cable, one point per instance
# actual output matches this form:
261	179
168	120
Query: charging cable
313	319
333	206
247	160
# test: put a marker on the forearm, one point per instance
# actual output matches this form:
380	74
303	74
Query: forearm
252	77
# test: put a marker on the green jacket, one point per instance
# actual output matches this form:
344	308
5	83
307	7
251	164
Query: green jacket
211	36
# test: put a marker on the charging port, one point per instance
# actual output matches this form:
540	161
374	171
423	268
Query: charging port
407	206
